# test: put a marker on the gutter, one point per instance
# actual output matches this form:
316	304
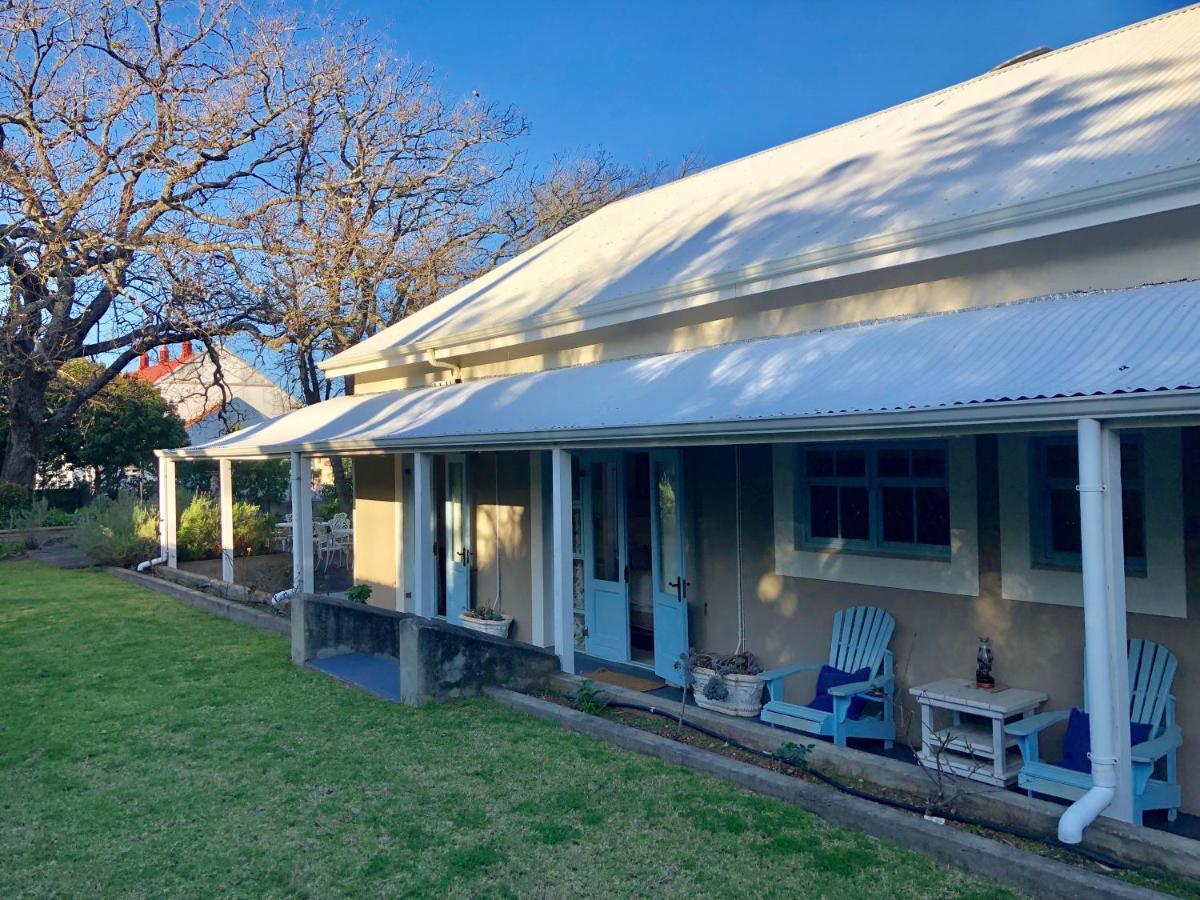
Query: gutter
1103	755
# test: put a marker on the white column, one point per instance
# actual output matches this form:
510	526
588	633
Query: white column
560	545
163	462
302	543
424	600
542	613
167	506
225	478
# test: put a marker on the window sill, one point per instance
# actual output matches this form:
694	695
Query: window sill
1077	570
875	553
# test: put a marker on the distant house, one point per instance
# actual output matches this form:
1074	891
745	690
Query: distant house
212	406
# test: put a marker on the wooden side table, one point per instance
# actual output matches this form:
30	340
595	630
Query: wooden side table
975	745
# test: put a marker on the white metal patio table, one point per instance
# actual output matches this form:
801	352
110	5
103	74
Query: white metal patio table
973	744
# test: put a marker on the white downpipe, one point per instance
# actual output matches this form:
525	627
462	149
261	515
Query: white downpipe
1084	811
283	596
737	525
151	563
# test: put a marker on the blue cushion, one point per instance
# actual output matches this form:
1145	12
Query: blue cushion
831	677
1078	742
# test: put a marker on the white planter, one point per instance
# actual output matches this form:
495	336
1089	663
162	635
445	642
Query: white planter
744	699
495	627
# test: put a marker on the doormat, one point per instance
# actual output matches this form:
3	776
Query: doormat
620	679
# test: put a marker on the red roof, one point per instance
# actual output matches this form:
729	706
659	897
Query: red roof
165	364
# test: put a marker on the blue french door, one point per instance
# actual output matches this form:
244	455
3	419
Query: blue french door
669	562
457	523
606	590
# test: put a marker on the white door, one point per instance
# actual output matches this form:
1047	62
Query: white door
668	560
458	537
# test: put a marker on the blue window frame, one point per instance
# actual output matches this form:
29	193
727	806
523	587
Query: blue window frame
875	498
1054	519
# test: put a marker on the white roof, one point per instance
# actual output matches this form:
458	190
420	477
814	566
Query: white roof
1098	131
1088	345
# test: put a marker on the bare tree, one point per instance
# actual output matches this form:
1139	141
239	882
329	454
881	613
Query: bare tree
397	199
131	134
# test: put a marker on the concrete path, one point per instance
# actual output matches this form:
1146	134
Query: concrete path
377	675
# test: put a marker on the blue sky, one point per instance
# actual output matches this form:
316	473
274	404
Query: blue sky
655	81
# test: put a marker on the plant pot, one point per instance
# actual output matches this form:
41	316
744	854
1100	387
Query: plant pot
495	627
744	699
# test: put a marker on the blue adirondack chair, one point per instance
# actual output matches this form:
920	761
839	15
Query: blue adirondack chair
860	641
1151	670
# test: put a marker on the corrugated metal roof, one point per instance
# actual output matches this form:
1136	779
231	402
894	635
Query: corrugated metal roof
1072	345
1107	111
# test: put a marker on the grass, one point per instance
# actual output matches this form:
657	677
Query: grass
147	748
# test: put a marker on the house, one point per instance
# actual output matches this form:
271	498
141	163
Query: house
943	360
209	403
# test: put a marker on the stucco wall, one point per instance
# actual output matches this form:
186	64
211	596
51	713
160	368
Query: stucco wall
501	531
1162	247
375	541
788	619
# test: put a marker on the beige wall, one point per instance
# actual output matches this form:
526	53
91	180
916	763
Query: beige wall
1157	248
501	526
787	619
499	531
375	527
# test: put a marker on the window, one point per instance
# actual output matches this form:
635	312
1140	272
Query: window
891	498
1054	526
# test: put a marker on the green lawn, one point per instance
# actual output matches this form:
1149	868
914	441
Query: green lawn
147	748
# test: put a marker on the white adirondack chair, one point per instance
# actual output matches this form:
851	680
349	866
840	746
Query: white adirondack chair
860	641
1151	671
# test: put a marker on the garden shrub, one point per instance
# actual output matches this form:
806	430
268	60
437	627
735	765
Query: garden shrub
117	532
200	529
199	533
13	499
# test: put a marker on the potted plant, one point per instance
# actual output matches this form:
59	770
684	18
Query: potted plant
728	684
487	619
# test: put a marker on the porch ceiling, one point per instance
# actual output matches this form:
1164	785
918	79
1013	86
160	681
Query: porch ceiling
1119	352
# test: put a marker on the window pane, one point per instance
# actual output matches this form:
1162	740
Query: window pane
822	510
1064	521
666	509
1131	460
1134	531
851	463
819	463
854	513
893	463
898	514
933	516
605	546
577	586
929	462
1062	461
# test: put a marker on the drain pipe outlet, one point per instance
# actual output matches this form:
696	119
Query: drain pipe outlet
1084	811
150	563
282	597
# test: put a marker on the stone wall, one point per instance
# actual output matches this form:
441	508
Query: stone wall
438	661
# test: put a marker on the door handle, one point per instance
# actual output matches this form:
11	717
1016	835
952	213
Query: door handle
627	574
678	585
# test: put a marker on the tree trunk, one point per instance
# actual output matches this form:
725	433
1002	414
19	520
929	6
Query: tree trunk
343	486
26	436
